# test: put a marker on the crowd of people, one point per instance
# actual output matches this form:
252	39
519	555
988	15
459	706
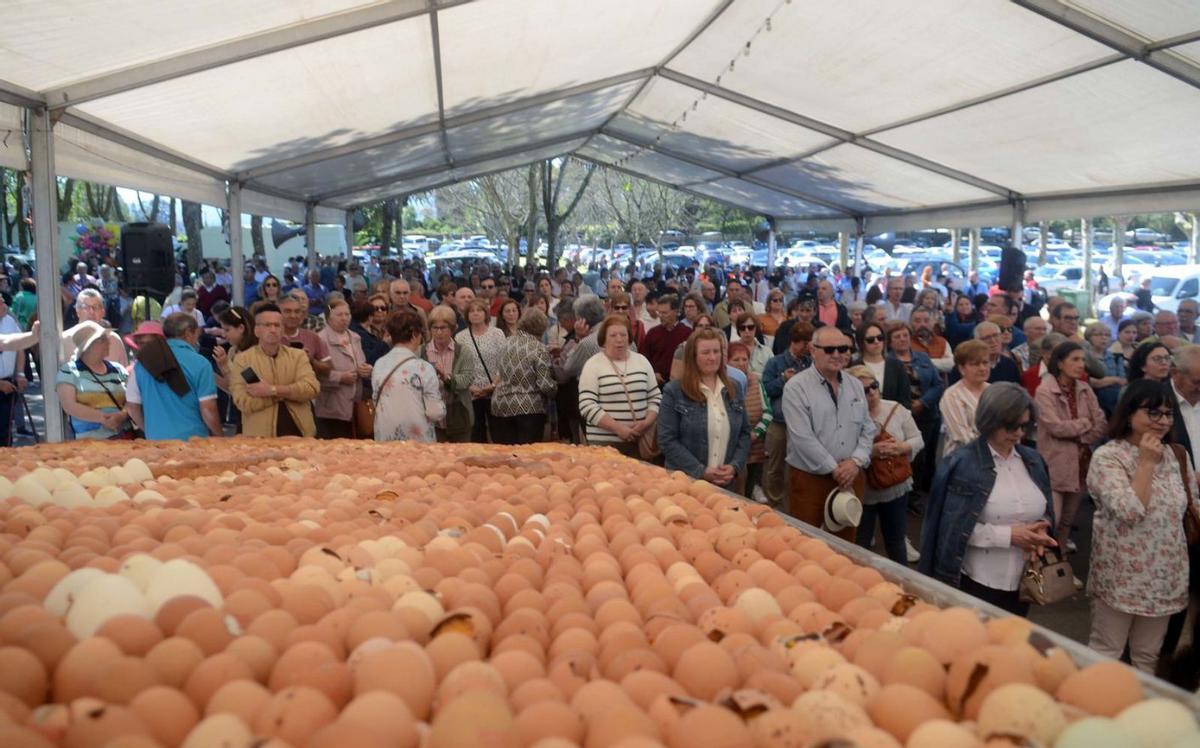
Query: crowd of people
851	404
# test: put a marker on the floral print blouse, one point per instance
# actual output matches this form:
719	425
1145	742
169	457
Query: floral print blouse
409	405
1139	561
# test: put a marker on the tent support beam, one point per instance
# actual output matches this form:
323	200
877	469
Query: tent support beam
237	256
429	128
845	136
238	50
349	228
11	93
45	234
727	173
120	137
772	243
436	35
505	153
310	233
1105	33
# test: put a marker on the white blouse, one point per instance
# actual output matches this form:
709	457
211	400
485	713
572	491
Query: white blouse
718	424
991	558
958	416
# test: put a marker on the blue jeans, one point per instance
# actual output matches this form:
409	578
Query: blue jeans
892	521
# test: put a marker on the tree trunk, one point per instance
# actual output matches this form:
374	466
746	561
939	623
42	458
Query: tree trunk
66	200
22	227
531	221
172	220
192	223
256	237
118	208
401	203
550	195
389	218
5	225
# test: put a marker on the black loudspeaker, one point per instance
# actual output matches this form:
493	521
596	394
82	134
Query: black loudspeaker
148	259
1012	269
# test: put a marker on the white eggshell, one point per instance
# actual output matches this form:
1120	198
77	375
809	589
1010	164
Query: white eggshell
63	594
62	475
139	569
146	495
424	602
121	476
179	577
6	488
71	495
47	478
101	599
109	495
96	478
138	470
32	491
1157	722
758	604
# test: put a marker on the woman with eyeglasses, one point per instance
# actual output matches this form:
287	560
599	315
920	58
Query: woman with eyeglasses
481	343
736	309
1138	572
771	319
961	399
621	303
618	392
990	505
750	335
1151	360
887	505
887	371
1071	422
269	289
456	373
1006	335
367	320
343	386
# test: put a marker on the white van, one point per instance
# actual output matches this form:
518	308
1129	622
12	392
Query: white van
1172	284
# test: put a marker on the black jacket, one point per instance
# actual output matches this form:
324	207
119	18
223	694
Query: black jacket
896	385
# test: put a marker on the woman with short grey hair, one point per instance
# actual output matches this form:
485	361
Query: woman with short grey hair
589	313
990	504
519	401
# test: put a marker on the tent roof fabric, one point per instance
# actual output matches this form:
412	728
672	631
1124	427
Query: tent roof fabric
852	113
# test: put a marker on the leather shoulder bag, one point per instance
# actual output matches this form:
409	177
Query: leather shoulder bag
885	472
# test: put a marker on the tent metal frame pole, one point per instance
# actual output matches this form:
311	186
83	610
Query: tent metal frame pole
1043	241
11	93
1085	242
349	229
955	249
772	244
237	256
845	136
729	174
1119	223
973	250
239	50
1016	234
310	233
44	190
1194	245
430	128
1110	36
844	252
860	240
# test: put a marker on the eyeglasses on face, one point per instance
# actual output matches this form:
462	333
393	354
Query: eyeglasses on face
747	327
872	387
488	286
270	283
620	307
873	339
832	349
1158	415
1161	359
1070	318
1005	330
1024	426
379	308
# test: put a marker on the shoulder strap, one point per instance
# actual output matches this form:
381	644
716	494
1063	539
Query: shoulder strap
379	391
889	418
1181	457
621	379
107	391
479	353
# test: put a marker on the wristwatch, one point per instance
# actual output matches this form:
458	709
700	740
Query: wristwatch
274	391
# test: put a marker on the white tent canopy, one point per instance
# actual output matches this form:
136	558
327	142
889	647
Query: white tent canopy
846	113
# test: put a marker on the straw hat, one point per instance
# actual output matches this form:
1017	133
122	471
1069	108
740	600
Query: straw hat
842	510
86	333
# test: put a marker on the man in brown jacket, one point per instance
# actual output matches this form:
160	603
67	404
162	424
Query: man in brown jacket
273	385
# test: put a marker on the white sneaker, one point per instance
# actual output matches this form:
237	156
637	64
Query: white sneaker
758	495
913	554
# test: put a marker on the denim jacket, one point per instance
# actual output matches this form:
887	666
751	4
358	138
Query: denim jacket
683	431
960	489
929	379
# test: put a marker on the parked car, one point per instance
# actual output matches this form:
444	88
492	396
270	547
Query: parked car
1171	285
1054	277
1145	235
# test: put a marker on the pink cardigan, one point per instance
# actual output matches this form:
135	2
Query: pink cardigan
1059	437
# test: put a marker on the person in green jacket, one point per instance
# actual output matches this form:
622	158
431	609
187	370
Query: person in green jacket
24	304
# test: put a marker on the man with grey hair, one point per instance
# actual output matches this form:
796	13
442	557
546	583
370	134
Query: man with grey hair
172	393
89	306
1003	367
829	429
589	313
1035	329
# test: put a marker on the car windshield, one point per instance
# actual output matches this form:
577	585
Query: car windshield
1046	271
1160	286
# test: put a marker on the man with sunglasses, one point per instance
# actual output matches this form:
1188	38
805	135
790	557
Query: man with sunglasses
829	429
778	371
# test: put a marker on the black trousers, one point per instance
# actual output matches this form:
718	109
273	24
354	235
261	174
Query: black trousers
528	428
1003	599
8	402
483	418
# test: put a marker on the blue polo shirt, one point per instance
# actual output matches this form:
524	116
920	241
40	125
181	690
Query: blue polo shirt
167	415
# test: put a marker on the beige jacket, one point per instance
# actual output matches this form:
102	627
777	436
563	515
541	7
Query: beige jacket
289	366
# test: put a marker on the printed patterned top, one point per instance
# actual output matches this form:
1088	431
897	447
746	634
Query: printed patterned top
525	377
94	391
1139	561
411	402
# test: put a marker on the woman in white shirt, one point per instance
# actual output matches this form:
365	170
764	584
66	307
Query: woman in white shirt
887	505
990	506
749	331
961	399
187	304
408	393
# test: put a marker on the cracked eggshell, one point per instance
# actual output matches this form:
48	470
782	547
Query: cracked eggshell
63	594
179	577
1020	709
103	598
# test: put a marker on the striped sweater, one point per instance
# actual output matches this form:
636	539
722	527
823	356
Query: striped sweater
601	393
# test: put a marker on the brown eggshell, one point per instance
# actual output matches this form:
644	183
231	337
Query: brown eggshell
704	669
900	709
384	713
1103	689
23	675
295	713
241	698
167	713
404	670
549	719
